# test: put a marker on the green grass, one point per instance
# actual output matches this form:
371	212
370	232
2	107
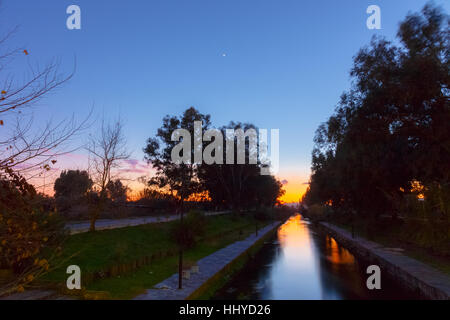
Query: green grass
219	280
98	251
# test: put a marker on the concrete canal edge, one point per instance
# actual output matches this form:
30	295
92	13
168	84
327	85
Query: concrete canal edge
215	270
412	274
216	282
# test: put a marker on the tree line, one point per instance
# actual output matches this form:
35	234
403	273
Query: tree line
386	148
31	224
228	186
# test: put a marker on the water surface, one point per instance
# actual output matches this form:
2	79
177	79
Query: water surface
300	263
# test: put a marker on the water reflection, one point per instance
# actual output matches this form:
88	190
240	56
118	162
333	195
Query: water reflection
302	264
336	254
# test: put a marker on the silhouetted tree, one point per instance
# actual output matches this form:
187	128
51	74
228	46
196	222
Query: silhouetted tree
392	127
72	185
117	192
263	191
179	178
107	149
228	184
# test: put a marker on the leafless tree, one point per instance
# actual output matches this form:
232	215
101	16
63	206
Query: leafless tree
107	150
24	148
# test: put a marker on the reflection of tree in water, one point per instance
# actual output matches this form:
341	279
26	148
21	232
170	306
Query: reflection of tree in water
344	277
300	257
253	281
340	273
336	254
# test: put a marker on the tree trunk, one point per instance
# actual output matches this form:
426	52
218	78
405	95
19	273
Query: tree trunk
180	256
180	269
92	227
93	217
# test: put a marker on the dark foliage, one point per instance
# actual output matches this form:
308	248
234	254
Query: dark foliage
391	131
71	187
185	233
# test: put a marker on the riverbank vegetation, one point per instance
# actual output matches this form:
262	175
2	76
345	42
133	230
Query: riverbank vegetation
414	237
381	162
32	225
122	263
31	231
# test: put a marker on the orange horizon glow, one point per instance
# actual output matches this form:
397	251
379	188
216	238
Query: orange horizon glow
293	178
294	191
295	185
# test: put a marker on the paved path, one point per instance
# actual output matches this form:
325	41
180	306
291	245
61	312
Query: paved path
209	266
431	282
104	224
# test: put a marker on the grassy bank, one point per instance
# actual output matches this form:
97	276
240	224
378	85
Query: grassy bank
419	239
219	280
124	262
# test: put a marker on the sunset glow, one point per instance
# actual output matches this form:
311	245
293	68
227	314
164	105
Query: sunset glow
246	151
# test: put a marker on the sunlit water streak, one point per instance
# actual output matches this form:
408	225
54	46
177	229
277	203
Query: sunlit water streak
302	264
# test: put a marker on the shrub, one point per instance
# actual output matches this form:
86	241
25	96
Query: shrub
186	233
196	221
30	232
71	187
264	214
318	212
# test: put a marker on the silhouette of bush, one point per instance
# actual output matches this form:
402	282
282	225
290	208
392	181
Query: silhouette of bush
186	233
71	188
264	214
318	212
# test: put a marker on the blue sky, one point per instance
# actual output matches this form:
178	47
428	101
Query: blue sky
278	64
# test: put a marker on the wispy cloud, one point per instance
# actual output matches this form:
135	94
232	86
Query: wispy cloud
135	167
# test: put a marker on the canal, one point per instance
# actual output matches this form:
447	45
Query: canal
302	264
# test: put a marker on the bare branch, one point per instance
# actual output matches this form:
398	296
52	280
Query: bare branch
107	150
23	147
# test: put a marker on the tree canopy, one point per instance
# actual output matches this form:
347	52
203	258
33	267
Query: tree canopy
391	129
72	184
228	185
179	178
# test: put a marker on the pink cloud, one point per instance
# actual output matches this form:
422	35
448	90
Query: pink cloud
131	162
134	166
